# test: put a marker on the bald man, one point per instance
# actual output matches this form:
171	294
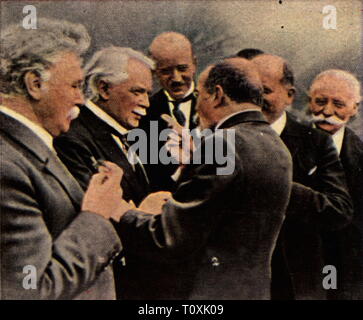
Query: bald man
334	100
175	69
319	199
214	238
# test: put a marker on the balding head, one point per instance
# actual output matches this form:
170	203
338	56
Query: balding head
227	87
278	82
166	43
334	99
175	63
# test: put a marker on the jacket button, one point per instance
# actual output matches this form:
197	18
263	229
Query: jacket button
215	262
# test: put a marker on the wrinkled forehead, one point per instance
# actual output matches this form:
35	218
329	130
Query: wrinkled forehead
335	87
173	55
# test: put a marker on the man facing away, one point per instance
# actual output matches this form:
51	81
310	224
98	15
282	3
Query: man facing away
54	245
334	100
214	238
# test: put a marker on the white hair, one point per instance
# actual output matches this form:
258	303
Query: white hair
35	50
346	76
110	65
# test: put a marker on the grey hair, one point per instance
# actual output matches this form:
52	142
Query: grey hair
35	50
110	65
343	75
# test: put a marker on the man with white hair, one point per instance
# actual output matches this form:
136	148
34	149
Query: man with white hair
118	83
53	244
334	100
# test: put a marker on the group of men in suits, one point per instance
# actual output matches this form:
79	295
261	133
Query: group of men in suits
187	232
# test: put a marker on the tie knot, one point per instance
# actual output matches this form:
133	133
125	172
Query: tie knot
176	103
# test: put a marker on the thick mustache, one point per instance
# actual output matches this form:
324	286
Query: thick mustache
73	113
334	120
176	84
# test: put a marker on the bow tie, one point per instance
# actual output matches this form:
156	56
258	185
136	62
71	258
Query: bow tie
185	99
178	114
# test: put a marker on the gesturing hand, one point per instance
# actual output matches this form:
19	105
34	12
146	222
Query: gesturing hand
180	143
104	194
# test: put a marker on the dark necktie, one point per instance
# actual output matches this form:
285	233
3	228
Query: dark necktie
178	114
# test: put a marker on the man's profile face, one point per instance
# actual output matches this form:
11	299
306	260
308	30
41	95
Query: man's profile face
332	102
203	106
275	94
60	94
128	101
176	70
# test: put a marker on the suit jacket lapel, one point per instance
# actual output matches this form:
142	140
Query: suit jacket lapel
33	144
350	151
55	167
192	122
291	136
101	133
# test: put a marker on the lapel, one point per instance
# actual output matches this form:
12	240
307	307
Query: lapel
241	117
352	150
160	105
192	120
291	135
101	136
29	141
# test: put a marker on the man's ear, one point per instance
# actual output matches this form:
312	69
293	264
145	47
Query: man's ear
219	96
355	108
103	90
33	83
195	61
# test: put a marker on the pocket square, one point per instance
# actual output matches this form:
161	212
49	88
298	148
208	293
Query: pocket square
312	170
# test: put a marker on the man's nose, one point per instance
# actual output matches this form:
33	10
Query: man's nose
328	109
79	97
144	100
176	76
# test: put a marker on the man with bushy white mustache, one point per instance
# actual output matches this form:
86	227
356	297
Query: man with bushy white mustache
56	241
334	100
319	198
118	82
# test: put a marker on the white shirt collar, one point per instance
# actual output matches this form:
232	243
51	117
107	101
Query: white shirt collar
338	138
191	89
279	125
231	115
105	117
43	134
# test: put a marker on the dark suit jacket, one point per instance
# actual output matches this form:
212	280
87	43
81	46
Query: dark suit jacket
42	226
319	202
214	239
345	246
89	136
159	174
